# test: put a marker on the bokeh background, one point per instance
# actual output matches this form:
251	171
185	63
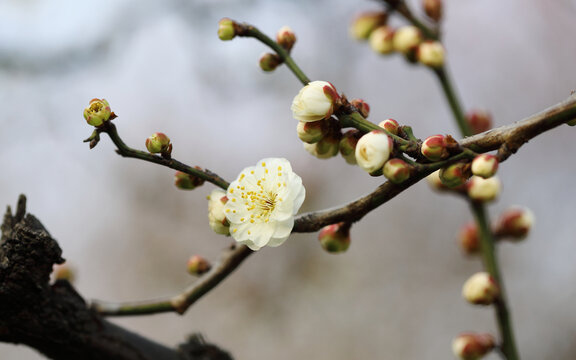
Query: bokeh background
395	294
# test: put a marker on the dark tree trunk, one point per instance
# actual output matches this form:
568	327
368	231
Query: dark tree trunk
55	319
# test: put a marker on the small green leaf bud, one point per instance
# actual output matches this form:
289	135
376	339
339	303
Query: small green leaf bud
363	25
286	38
185	181
397	170
158	143
485	165
480	289
97	112
197	265
226	29
335	238
269	62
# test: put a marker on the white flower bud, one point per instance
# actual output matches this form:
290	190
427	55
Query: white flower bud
485	165
315	101
373	150
431	53
480	189
406	39
381	40
480	289
216	216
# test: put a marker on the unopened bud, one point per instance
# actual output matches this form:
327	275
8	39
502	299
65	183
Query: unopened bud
455	175
226	29
390	125
479	121
348	145
483	190
363	25
335	238
312	132
381	40
185	181
485	165
431	53
286	38
468	239
515	223
471	346
158	143
373	150
97	112
63	272
315	101
433	9
362	107
269	62
216	216
480	289
397	170
434	148
197	265
329	145
406	39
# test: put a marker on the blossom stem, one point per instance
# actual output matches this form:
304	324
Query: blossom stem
402	8
248	30
126	151
453	101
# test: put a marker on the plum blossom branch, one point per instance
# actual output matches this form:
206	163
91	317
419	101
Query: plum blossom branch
229	261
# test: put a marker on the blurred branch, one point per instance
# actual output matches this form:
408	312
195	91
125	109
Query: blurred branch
55	319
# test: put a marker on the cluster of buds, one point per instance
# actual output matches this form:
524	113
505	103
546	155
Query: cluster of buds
286	38
159	143
514	224
185	181
481	289
373	150
197	265
216	216
335	238
329	145
98	112
472	346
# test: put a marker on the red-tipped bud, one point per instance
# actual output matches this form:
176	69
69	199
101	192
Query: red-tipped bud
373	150
348	145
390	125
431	54
483	190
382	40
158	143
286	38
185	181
97	112
315	101
455	175
269	62
312	132
433	9
468	239
434	148
335	238
479	121
397	170
363	25
471	346
406	39
480	289
362	107
485	165
197	265
226	29
515	223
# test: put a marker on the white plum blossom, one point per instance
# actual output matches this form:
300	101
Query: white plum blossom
373	150
315	101
262	203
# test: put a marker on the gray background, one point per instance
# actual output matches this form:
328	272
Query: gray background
396	293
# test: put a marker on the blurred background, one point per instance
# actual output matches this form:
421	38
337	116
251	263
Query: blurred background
128	232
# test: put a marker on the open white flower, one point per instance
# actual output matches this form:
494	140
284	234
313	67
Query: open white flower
315	101
262	203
